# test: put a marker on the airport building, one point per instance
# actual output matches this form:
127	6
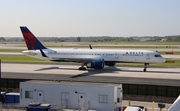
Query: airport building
158	91
72	95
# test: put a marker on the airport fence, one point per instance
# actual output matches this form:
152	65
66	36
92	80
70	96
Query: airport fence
12	107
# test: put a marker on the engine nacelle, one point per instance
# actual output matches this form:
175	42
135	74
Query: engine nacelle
110	63
96	64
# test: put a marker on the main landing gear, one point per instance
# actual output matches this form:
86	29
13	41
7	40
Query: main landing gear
82	67
145	66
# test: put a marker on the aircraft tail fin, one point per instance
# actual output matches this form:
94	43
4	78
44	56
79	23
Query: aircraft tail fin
31	41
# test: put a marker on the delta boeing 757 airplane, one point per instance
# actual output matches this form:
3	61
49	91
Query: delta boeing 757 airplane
89	58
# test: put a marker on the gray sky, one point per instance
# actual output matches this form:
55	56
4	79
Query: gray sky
66	18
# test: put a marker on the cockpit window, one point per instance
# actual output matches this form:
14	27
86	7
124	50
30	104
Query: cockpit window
157	55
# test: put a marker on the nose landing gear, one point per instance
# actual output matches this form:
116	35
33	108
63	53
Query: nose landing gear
145	66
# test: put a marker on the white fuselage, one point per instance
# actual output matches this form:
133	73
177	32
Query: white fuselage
137	56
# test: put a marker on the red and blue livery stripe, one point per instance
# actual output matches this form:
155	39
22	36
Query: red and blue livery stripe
32	42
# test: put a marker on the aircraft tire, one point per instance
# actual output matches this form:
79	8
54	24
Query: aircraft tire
144	70
82	68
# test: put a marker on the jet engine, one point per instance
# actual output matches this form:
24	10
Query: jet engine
96	64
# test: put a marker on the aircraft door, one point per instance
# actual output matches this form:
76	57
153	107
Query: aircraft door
116	56
147	57
40	96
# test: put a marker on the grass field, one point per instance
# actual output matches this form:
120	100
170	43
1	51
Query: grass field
20	50
113	45
27	59
94	43
11	50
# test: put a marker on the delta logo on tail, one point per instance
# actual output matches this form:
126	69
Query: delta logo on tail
31	41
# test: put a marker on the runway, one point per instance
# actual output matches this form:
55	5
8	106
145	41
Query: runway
162	76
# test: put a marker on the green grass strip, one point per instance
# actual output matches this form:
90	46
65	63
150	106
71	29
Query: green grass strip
20	59
27	59
11	50
20	50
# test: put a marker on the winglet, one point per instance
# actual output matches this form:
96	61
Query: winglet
90	46
31	41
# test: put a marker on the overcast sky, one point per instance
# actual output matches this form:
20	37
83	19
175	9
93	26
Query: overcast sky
67	18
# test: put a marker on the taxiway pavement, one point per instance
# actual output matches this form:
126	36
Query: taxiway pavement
161	76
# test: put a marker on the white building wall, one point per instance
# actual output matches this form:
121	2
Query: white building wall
52	94
118	94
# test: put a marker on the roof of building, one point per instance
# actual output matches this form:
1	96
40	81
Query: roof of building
72	83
